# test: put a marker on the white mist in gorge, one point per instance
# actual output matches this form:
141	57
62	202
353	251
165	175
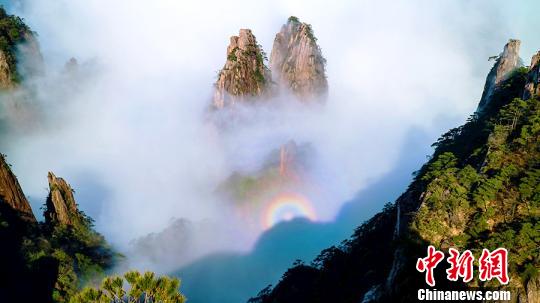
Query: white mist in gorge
129	130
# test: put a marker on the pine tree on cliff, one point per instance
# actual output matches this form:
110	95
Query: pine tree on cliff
480	189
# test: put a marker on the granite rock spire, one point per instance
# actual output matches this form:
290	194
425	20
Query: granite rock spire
244	76
297	63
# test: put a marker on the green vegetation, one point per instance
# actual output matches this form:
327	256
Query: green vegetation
259	77
142	288
232	55
49	261
480	189
245	188
293	19
310	34
13	31
81	253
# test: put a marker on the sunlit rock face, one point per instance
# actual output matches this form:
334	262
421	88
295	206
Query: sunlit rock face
244	76
532	88
297	63
61	205
11	192
504	65
5	72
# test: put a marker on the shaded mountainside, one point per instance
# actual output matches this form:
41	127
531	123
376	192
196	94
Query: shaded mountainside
40	261
46	262
11	192
480	189
297	63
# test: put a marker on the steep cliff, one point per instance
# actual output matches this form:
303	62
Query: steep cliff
533	83
244	76
11	192
480	189
46	262
20	55
297	63
504	65
5	71
61	205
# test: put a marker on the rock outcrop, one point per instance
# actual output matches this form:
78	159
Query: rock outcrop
20	55
297	63
532	87
504	65
532	291
61	205
6	75
11	192
244	76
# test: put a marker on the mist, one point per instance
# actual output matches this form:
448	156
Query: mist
129	129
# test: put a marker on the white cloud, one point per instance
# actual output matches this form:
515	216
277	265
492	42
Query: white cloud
136	124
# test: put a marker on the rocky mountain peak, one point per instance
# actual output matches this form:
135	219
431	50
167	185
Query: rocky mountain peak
297	63
61	205
244	76
505	63
11	192
532	87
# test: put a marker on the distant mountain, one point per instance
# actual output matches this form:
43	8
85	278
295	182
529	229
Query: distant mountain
480	189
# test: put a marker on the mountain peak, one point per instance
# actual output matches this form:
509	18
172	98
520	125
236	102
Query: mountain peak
11	192
61	205
244	75
297	63
504	65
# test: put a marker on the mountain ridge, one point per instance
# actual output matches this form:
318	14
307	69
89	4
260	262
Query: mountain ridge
478	190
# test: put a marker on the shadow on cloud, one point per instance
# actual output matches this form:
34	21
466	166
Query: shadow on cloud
233	277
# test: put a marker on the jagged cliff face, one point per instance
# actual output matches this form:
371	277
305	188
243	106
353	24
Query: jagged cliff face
296	66
532	87
11	192
6	81
61	205
297	63
504	65
244	76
